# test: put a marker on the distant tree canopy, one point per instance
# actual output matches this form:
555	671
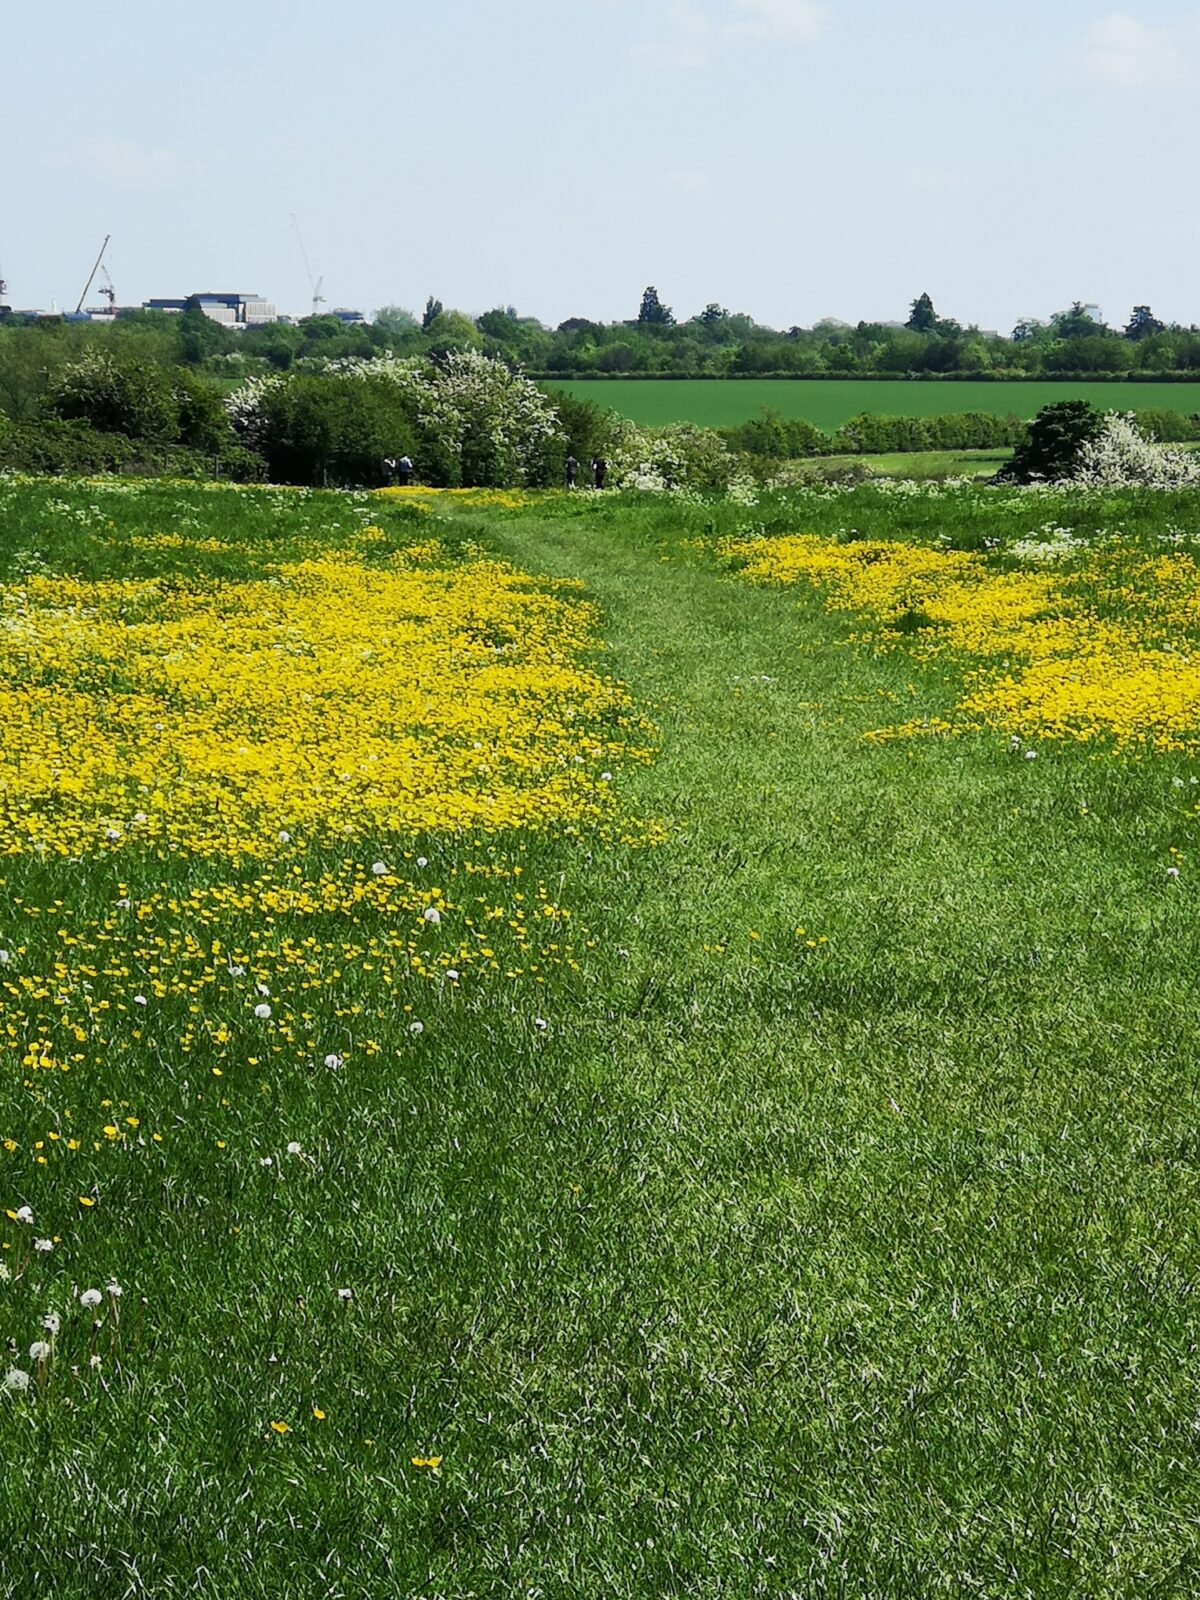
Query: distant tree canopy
922	318
713	342
653	313
1143	324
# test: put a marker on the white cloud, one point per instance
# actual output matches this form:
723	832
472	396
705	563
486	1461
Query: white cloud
788	21
127	166
1121	51
693	36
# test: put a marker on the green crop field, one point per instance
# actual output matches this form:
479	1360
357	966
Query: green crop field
724	403
599	1047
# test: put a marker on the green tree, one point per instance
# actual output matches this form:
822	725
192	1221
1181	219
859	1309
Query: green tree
1143	324
653	313
394	322
200	337
922	318
1077	323
1057	435
433	310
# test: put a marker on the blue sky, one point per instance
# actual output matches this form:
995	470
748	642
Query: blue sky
786	158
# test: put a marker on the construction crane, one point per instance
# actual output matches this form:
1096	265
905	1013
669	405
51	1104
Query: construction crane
318	299
93	273
109	290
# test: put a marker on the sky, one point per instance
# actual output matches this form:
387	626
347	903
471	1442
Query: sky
785	158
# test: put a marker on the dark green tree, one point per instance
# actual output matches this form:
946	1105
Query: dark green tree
1056	436
653	313
1143	323
922	318
433	310
1077	323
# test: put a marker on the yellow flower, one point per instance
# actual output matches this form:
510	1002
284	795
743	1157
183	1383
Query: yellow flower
318	1414
85	1200
280	1427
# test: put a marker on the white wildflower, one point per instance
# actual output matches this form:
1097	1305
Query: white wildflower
416	1027
52	1322
90	1298
334	1061
44	1245
140	1000
294	1148
345	1294
381	869
422	861
432	915
25	1214
113	1289
39	1350
263	1011
16	1381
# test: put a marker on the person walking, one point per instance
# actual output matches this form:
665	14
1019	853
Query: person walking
404	472
570	472
599	471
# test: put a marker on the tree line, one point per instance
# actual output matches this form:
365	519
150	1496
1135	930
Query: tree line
715	343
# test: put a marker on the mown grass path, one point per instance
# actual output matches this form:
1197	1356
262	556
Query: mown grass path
902	1277
738	1261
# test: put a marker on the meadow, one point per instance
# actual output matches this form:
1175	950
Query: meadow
598	1045
723	403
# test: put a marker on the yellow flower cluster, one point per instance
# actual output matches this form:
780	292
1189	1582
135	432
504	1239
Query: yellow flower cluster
325	699
1105	650
231	747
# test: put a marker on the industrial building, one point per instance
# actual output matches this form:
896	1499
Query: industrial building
230	310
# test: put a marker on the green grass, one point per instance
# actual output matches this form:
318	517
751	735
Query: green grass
724	403
762	1270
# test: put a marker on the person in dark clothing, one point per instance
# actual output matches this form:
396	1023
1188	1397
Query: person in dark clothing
599	471
570	472
389	469
404	472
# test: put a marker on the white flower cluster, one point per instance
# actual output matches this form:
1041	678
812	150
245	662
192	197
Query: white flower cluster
1122	457
1048	546
681	460
479	422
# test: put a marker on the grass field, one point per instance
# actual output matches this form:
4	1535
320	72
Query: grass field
722	404
772	1170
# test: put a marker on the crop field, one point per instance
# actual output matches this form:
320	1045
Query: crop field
723	403
599	1046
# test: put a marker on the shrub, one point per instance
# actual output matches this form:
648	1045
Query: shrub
1057	435
114	395
466	419
57	447
680	458
776	437
1120	457
1168	427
